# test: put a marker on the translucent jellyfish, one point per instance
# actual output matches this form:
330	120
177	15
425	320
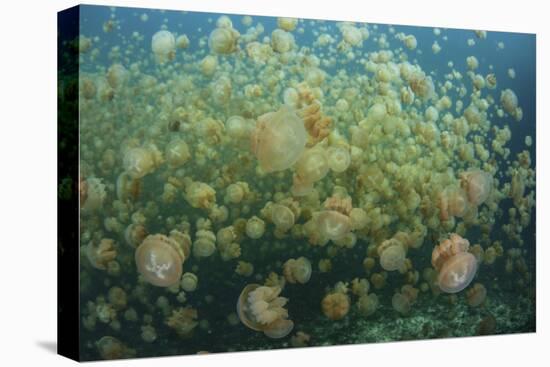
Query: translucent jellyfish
333	225
478	185
313	164
189	282
139	162
392	255
134	234
177	153
509	101
351	34
456	267
287	24
279	139
110	347
255	228
335	305
182	41
297	270
367	304
94	194
282	217
209	65
282	41
453	201
117	76
205	243
260	308
339	159
200	195
183	321
476	295
223	40
101	254
159	259
238	128
163	45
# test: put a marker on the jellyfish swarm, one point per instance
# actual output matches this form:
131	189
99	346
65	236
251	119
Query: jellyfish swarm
455	265
160	260
278	139
260	308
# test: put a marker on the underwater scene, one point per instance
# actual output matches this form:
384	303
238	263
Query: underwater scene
254	183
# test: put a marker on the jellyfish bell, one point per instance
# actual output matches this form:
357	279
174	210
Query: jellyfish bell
313	165
279	139
333	225
163	45
478	185
457	272
261	309
339	159
282	217
159	261
223	40
392	257
456	266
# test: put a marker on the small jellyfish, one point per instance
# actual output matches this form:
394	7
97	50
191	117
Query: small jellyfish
223	40
333	225
163	45
255	228
278	139
478	185
392	255
339	159
297	270
282	217
456	267
260	308
335	305
159	259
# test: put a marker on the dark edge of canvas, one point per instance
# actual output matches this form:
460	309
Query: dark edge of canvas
68	305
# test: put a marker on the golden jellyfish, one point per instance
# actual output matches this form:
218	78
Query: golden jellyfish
339	159
95	194
453	201
236	192
279	139
177	153
282	217
110	347
238	128
134	234
332	224
139	162
189	282
287	24
351	34
509	101
297	270
392	255
335	305
182	41
101	254
260	308
200	195
117	76
159	259
205	243
367	304
183	321
313	165
476	295
255	228
223	40
163	45
282	41
455	265
478	185
209	65
127	187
